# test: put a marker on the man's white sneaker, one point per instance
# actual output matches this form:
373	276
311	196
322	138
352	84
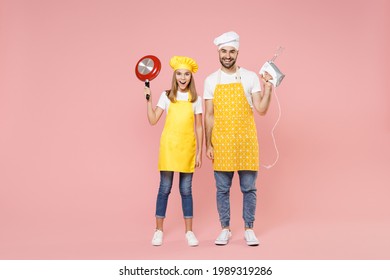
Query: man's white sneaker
223	237
250	238
191	239
157	238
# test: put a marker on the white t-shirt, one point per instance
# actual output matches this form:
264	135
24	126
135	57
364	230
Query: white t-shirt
249	80
164	102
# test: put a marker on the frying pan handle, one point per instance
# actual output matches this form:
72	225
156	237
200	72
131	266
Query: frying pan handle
147	84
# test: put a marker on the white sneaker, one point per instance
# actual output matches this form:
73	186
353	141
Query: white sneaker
157	238
250	238
223	237
191	239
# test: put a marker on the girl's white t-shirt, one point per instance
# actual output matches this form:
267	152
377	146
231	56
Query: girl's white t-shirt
164	102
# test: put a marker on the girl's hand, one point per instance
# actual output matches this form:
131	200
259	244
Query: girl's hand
147	92
198	161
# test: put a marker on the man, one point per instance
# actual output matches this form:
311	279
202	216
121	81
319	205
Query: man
230	95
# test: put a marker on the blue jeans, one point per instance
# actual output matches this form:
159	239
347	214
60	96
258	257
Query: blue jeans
248	188
185	187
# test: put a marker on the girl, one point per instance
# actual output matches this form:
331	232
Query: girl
180	144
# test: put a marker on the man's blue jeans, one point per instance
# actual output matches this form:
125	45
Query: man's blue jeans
248	188
185	187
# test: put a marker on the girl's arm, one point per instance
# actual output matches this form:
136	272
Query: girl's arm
153	114
209	124
199	139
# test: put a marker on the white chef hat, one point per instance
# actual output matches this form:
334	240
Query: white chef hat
230	39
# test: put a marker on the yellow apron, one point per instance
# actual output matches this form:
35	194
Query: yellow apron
178	144
234	135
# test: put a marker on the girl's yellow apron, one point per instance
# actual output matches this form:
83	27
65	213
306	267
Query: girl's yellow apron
234	136
178	144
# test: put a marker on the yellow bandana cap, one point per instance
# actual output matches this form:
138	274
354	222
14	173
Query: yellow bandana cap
183	62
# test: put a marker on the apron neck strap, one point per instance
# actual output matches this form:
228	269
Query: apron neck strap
238	76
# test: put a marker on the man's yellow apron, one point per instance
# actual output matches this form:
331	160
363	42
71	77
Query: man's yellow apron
234	136
178	144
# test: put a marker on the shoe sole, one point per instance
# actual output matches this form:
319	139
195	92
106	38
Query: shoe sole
252	243
221	243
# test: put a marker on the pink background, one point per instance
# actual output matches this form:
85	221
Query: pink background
78	158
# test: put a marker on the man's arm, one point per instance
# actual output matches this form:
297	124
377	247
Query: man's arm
261	100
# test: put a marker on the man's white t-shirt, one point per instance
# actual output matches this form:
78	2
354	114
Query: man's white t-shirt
249	80
164	102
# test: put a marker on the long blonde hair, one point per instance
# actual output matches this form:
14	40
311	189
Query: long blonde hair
172	93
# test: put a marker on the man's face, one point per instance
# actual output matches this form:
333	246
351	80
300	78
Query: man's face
228	56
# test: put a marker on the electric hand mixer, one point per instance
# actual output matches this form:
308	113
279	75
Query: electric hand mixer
273	70
277	77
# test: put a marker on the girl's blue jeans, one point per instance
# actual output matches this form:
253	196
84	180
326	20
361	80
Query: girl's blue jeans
185	187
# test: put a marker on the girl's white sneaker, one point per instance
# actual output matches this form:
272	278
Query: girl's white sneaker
157	238
191	239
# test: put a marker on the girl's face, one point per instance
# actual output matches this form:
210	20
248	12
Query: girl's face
183	78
